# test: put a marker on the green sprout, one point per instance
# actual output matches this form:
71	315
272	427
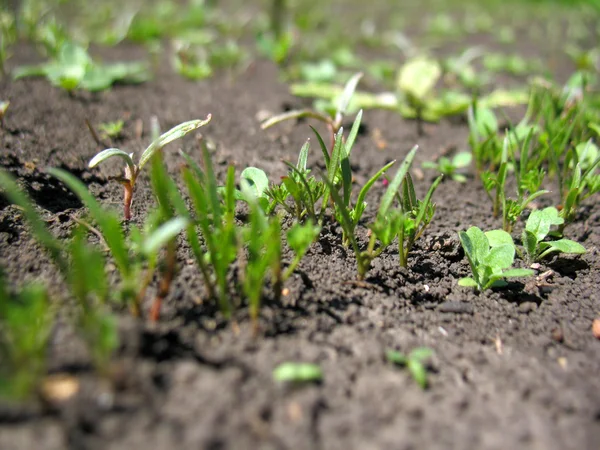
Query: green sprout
73	69
416	80
132	170
112	130
292	372
333	120
415	362
25	324
537	229
491	256
305	190
511	208
449	166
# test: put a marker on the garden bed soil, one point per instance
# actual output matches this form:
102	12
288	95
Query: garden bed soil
513	368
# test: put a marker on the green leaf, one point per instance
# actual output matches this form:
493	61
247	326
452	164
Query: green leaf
396	357
478	245
498	237
561	246
109	153
530	243
297	372
344	100
394	186
421	354
540	221
500	257
301	236
108	222
418	372
462	159
418	77
257	179
173	134
467	282
163	234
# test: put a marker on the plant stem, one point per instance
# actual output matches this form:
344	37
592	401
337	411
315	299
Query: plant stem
165	282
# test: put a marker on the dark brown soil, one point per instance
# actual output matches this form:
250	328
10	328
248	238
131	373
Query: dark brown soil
513	368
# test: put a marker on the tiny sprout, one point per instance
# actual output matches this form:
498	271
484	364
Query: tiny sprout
112	129
132	170
414	362
298	372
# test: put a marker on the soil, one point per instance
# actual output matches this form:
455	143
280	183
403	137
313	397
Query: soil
513	368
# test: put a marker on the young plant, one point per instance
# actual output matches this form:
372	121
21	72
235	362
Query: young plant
333	120
491	256
449	167
511	208
339	176
112	130
416	80
25	324
304	190
136	259
415	362
386	227
73	69
132	170
262	237
483	137
82	267
582	182
537	229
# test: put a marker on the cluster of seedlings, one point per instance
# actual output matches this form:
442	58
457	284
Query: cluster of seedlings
240	256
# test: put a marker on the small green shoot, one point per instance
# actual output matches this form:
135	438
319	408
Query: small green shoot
112	130
304	190
73	69
415	362
449	167
298	373
537	229
132	170
299	238
333	120
416	80
25	324
491	256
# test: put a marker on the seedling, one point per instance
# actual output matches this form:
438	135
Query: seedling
136	259
73	69
112	130
491	256
449	166
537	229
415	362
305	190
333	120
25	325
387	225
483	140
416	80
298	373
132	170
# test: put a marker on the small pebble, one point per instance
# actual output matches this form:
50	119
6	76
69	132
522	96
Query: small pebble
596	328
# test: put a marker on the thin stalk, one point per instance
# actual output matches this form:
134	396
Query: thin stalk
165	282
